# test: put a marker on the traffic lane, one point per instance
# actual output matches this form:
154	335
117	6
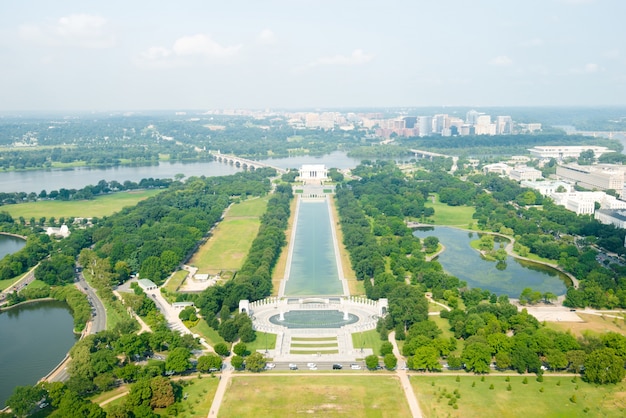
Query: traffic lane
320	365
99	313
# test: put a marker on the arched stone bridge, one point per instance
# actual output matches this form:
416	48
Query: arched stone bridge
243	162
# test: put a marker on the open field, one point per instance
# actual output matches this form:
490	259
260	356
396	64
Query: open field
318	396
209	334
592	323
523	400
176	280
460	216
368	339
262	338
231	239
99	207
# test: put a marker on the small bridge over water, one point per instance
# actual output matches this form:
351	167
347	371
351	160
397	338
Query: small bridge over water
243	162
430	155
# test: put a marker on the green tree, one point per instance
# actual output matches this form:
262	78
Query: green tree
604	366
385	348
390	361
221	349
237	362
426	358
25	399
178	360
208	362
240	349
162	392
477	357
255	362
371	361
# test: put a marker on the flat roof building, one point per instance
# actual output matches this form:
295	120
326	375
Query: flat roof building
565	151
592	177
147	285
611	217
546	187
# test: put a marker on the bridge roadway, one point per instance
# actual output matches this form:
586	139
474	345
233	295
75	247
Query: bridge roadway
428	154
243	162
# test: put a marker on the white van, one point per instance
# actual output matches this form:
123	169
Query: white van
355	366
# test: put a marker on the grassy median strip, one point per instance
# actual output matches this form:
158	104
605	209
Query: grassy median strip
314	345
314	351
313	339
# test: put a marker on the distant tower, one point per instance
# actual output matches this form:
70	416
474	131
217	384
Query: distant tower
425	125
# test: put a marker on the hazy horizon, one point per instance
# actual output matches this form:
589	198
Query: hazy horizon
302	54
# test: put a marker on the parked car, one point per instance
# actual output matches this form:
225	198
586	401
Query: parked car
337	366
355	366
293	366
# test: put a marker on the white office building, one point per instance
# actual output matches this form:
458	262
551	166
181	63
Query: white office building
599	177
611	217
565	151
547	187
523	172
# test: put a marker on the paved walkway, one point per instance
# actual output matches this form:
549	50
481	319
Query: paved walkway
221	388
416	412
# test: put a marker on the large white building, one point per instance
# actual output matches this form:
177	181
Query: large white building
565	151
547	187
522	172
611	217
583	203
313	173
600	177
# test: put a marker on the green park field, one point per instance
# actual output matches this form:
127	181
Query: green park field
99	207
562	396
232	238
318	396
459	216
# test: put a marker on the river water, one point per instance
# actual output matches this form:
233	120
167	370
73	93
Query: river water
77	178
462	261
34	338
10	244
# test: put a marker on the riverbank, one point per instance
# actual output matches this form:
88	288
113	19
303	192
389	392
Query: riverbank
24	237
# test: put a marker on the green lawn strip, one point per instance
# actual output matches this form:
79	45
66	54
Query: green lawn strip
313	339
523	400
37	284
433	307
114	314
209	334
297	345
248	208
176	281
259	343
5	284
228	247
320	396
451	215
99	207
316	351
368	339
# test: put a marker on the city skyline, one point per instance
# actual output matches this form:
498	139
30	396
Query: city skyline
144	55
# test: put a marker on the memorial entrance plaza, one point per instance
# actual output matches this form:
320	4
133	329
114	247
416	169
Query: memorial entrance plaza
314	316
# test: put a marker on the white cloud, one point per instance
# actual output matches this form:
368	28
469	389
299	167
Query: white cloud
266	37
76	30
184	50
501	61
589	68
357	57
202	45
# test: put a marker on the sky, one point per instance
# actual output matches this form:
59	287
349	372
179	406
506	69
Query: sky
85	55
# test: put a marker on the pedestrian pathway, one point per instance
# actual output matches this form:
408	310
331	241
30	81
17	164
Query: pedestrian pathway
221	389
416	412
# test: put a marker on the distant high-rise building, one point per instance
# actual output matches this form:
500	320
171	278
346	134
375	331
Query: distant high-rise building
471	117
425	125
439	122
410	121
504	125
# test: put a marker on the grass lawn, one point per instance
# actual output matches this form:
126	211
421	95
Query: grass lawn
593	323
319	396
209	334
176	281
313	338
523	400
232	238
460	216
200	393
5	284
99	207
254	207
262	338
368	339
315	351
